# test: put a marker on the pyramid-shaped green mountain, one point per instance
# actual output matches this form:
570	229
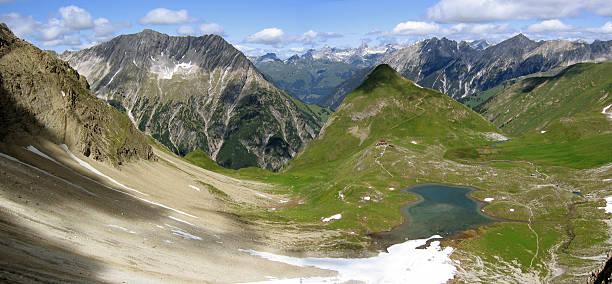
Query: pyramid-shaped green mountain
390	108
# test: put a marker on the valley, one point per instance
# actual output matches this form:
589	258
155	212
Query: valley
152	158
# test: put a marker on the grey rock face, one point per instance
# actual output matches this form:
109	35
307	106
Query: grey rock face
197	93
458	69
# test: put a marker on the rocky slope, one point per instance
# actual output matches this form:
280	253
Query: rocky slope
458	69
195	93
42	96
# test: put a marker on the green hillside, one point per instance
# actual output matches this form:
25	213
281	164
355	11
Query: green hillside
430	138
558	119
344	164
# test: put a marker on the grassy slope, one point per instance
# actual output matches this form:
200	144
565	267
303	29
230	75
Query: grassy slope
567	107
339	162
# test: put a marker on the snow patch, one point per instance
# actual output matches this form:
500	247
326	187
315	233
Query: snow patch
121	228
605	111
166	70
194	187
283	201
489	199
543	131
606	179
414	142
95	171
366	198
403	263
511	209
38	152
332	217
392	188
183	234
180	220
63	94
608	207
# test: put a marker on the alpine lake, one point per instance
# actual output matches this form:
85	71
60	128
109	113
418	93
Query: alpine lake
442	210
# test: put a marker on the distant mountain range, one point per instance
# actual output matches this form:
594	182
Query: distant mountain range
304	77
195	93
459	70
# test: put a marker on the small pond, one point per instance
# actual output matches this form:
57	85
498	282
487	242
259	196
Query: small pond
442	210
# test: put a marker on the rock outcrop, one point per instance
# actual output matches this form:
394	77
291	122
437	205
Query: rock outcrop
41	95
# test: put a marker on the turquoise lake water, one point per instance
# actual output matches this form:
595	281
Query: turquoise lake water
442	210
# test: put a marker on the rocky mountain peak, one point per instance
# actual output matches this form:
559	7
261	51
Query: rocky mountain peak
198	93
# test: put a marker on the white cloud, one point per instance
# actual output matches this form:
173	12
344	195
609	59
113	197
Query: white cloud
53	30
186	30
103	29
415	28
470	11
297	49
163	16
548	26
71	40
312	37
270	36
479	29
605	29
211	28
66	29
20	25
76	18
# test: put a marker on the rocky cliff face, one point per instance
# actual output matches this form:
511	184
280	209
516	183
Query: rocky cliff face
197	93
41	95
458	69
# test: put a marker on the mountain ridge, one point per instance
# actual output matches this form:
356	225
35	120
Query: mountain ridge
43	96
195	93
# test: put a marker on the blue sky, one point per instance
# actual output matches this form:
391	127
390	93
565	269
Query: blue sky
288	27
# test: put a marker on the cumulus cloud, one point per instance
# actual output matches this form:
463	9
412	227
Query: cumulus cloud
415	28
311	37
471	11
163	16
20	25
472	31
212	28
103	29
548	26
186	30
74	27
270	36
605	29
76	18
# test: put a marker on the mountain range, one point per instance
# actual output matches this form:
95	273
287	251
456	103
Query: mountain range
537	147
458	69
198	93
